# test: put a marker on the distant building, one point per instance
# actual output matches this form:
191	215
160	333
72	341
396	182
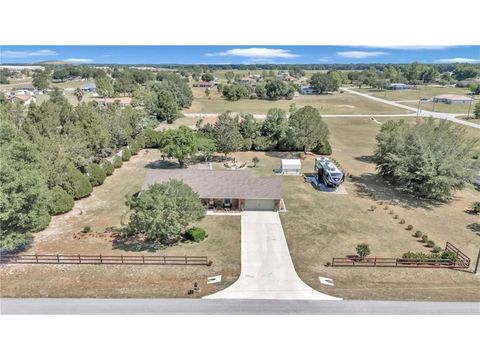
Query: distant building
25	99
467	83
24	87
307	90
203	84
245	81
452	99
123	101
400	86
90	87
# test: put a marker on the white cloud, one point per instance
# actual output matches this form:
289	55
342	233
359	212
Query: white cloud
411	47
457	60
24	54
257	53
79	60
360	54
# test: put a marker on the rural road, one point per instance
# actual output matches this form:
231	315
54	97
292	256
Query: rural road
231	307
263	116
423	113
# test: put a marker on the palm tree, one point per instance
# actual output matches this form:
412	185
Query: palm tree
78	94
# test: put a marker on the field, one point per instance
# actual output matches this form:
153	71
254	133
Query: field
106	207
441	107
414	94
326	104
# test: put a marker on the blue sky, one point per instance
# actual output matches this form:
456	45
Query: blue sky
240	54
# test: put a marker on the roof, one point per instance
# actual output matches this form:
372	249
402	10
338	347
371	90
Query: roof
291	163
227	184
89	86
452	97
21	97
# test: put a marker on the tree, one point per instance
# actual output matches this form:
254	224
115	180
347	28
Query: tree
362	250
464	71
277	89
179	143
60	201
166	108
207	77
275	125
255	161
430	159
205	146
227	134
229	75
323	83
40	80
104	86
78	93
179	87
235	92
307	128
96	175
164	212
77	184
476	110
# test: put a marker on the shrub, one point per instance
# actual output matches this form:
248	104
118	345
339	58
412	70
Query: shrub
255	161
396	217
328	263
126	154
134	148
436	249
449	255
418	234
476	207
323	148
42	221
402	221
96	175
430	243
363	250
107	166
372	208
410	227
391	212
140	140
152	138
419	255
86	229
78	184
385	207
117	162
60	201
196	234
424	238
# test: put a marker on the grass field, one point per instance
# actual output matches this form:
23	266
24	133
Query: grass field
326	104
441	107
414	94
106	207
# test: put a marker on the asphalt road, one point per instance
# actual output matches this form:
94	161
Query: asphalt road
231	307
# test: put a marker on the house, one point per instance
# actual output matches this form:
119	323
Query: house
235	190
123	101
452	99
307	90
245	81
203	84
400	86
89	87
291	167
25	99
25	87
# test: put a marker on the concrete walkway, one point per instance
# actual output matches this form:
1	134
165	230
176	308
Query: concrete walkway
267	268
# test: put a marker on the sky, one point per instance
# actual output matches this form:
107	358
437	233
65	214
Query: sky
240	54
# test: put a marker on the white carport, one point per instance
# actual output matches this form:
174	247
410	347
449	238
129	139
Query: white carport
291	167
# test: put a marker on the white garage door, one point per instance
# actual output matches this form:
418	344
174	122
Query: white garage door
259	204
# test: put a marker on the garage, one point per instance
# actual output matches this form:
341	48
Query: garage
259	204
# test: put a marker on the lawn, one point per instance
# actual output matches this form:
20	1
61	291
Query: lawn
327	104
104	208
413	94
441	107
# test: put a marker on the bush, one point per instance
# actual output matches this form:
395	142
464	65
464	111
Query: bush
476	207
419	255
60	201
43	219
196	234
117	162
96	175
78	184
134	148
126	154
449	255
107	166
363	250
323	148
430	243
424	238
436	249
372	208
418	234
140	140
152	138
396	217
410	227
402	221
86	229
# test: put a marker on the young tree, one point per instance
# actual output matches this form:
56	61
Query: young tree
207	92
255	161
307	128
229	75
104	86
78	93
430	159
179	143
275	125
164	212
227	134
207	77
362	250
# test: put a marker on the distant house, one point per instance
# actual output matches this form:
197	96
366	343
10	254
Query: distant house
400	86
25	87
123	101
89	87
203	84
307	90
452	99
246	81
25	99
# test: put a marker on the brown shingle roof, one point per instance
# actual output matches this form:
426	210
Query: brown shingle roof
228	184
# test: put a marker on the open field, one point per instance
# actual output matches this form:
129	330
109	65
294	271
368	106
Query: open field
445	108
327	104
106	207
413	94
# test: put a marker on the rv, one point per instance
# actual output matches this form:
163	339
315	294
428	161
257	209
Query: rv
327	172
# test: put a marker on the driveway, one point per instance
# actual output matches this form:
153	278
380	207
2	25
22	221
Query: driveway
267	268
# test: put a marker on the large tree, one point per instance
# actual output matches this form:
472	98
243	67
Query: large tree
179	143
275	125
165	106
164	212
307	129
104	86
179	88
227	134
430	159
323	83
40	80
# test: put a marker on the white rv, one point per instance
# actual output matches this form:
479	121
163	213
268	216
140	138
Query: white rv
327	172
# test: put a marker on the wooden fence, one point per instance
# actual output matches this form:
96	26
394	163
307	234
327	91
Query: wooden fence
462	258
105	259
395	262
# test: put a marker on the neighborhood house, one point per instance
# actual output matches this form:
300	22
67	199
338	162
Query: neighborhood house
452	99
400	86
223	189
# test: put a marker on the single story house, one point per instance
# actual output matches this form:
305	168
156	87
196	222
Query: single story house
246	81
307	90
123	101
291	167
23	99
452	99
90	87
400	86
220	189
203	84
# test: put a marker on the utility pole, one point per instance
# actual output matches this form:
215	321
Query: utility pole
470	108
418	107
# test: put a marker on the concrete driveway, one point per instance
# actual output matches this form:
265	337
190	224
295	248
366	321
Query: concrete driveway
267	268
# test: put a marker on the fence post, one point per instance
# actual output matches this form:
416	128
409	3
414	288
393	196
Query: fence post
79	259
143	259
101	260
121	258
58	259
185	259
36	258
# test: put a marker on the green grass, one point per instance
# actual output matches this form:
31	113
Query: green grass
414	94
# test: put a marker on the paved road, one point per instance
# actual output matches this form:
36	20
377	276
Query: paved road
232	307
424	113
267	268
